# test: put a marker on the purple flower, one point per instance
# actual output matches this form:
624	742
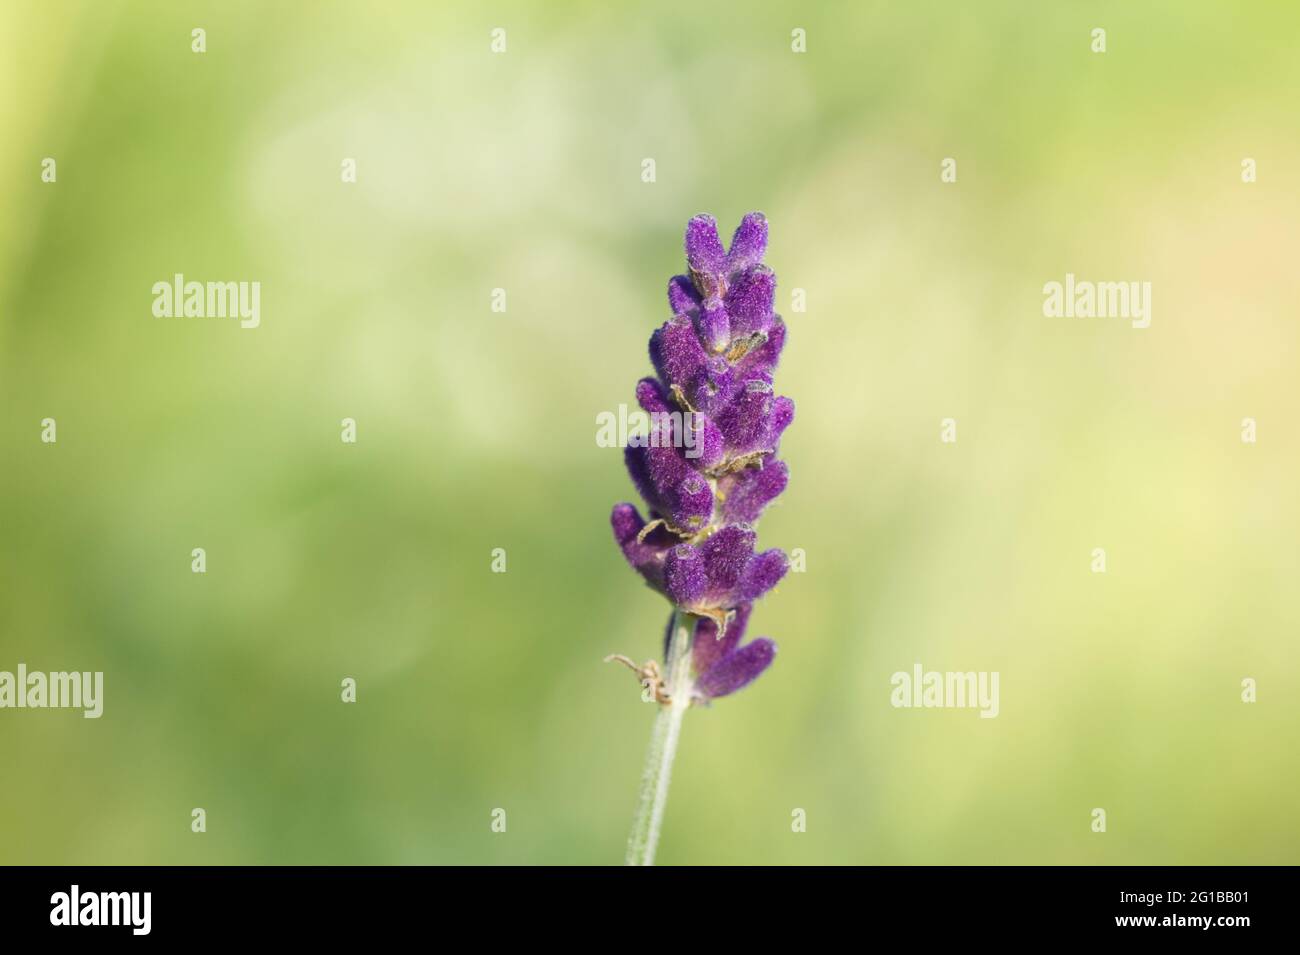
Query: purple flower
706	481
708	578
722	666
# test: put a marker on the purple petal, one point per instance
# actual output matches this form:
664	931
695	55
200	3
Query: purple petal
672	489
626	522
762	361
746	493
695	433
711	386
754	421
726	555
714	326
707	648
693	499
704	252
676	353
708	447
651	397
682	297
763	573
737	669
782	415
749	301
646	556
685	579
749	242
746	422
638	468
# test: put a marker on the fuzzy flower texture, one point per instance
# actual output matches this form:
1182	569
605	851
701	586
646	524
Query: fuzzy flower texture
714	363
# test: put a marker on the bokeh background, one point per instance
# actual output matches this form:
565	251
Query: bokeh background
522	170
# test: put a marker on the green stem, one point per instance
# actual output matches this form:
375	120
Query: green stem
663	745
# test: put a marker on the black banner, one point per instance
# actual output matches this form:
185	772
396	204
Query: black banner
332	905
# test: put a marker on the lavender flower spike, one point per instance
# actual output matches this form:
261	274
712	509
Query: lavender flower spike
714	363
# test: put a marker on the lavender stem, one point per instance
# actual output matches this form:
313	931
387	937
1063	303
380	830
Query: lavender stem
663	745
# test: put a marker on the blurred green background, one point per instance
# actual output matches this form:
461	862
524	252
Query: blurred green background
522	171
